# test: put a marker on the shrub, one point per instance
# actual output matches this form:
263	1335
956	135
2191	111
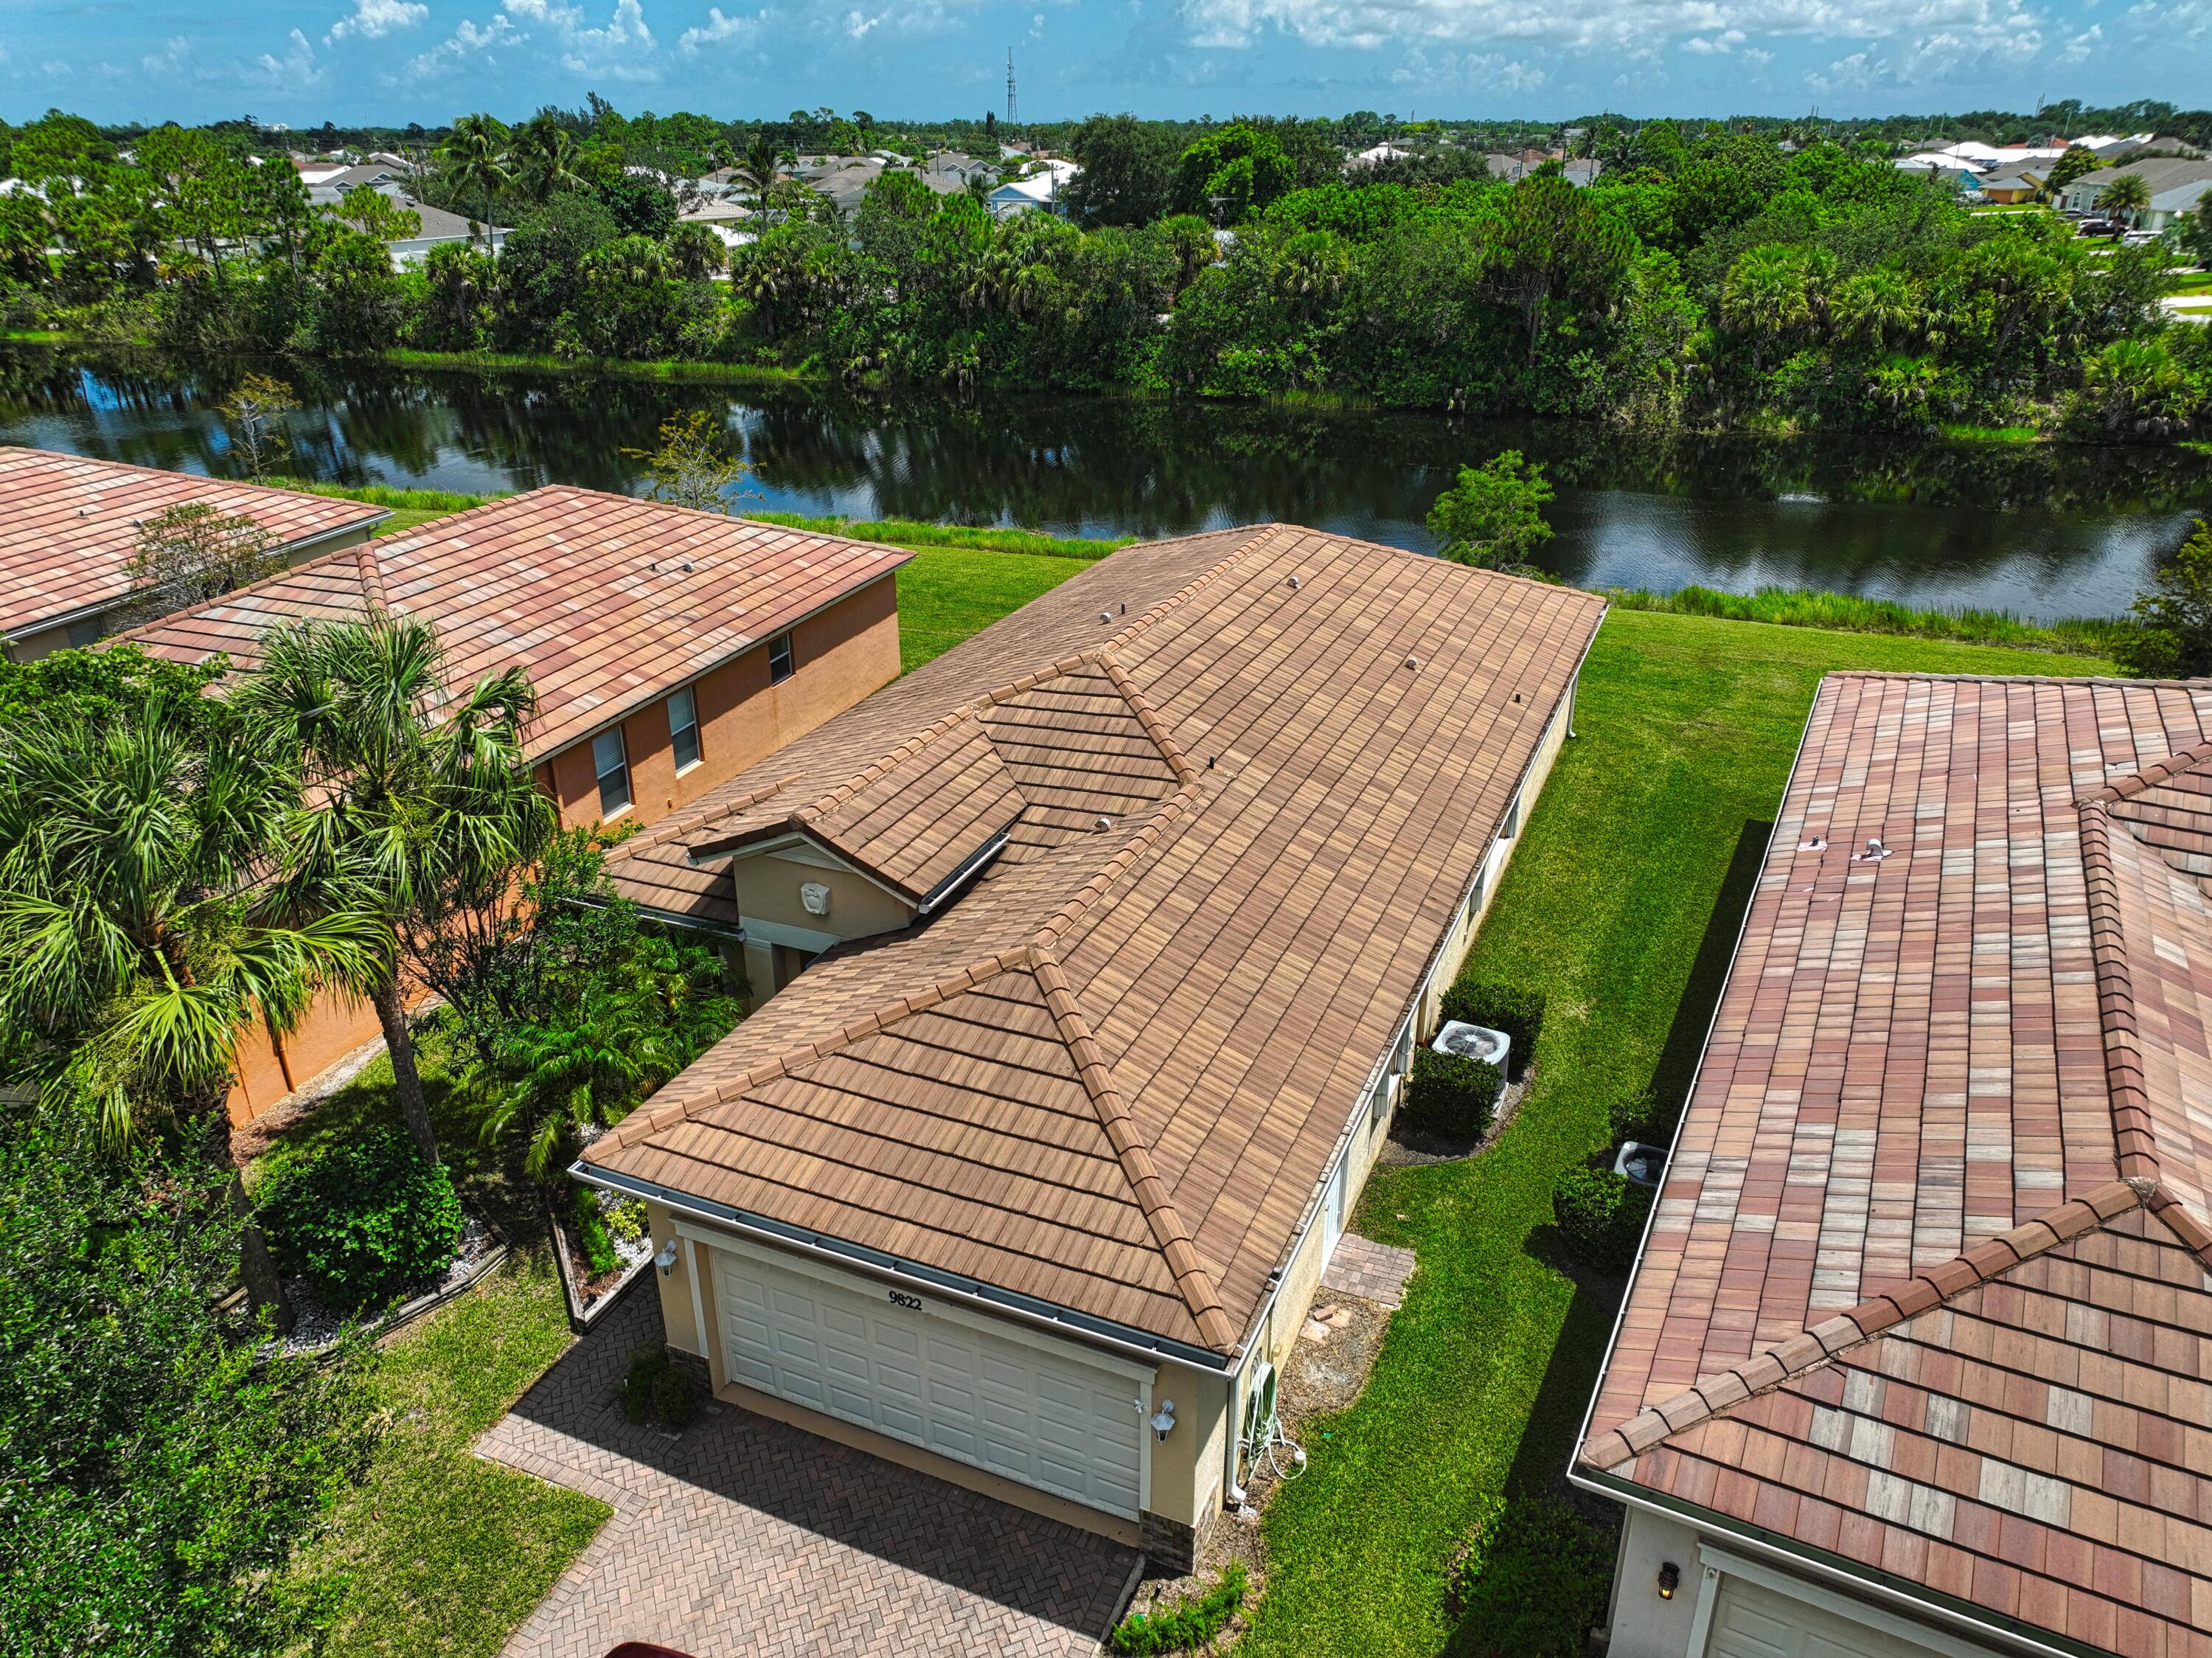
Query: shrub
1643	1119
1452	1095
660	1390
1602	1215
362	1220
1518	1013
591	1233
1532	1580
626	1221
1187	1624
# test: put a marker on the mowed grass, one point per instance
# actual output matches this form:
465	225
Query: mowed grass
948	593
1688	725
437	1551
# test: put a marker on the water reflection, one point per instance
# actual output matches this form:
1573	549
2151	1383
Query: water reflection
2043	530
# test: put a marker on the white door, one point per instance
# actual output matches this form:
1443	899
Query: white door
1750	1621
887	1361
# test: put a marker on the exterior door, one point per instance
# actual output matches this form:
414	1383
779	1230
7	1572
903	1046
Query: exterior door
1333	1211
889	1360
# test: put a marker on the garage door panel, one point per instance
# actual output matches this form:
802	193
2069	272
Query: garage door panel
1752	1621
968	1394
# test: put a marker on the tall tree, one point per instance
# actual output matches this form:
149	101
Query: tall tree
420	799
474	163
1128	169
1548	248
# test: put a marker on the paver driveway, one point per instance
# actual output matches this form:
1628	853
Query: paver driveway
748	1537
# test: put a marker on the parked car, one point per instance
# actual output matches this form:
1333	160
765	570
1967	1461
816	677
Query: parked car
2094	228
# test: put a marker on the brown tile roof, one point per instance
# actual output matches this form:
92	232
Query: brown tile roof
1243	815
607	600
69	526
1927	1288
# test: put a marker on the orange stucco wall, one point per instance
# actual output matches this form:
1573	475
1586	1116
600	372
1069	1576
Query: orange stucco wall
844	652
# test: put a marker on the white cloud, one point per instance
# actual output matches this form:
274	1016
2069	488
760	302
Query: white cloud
1937	31
297	68
170	58
1452	69
718	27
372	19
623	50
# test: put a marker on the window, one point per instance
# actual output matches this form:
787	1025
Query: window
683	728
780	663
611	763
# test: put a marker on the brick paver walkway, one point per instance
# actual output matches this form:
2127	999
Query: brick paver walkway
1371	1270
748	1537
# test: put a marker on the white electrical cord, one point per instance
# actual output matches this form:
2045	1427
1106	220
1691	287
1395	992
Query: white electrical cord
1273	1439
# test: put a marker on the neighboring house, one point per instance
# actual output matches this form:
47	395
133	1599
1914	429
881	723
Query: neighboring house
1130	911
843	179
1041	191
2175	185
670	650
439	225
1915	1358
1375	155
69	529
2015	183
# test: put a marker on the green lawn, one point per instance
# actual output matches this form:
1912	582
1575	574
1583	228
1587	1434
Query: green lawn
948	593
1687	728
437	1551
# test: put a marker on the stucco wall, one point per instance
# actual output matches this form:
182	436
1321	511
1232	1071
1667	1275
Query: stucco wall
767	886
843	652
1643	1625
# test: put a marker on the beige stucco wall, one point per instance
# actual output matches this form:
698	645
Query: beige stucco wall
1643	1625
766	886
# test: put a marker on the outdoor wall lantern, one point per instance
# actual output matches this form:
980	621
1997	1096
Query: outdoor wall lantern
1164	1418
1670	1579
665	1260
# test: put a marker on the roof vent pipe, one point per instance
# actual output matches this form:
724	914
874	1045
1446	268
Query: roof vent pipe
1105	823
1105	615
1294	584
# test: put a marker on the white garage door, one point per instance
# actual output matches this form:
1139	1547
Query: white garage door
888	1362
1750	1621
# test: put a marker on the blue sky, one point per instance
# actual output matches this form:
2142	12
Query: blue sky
304	61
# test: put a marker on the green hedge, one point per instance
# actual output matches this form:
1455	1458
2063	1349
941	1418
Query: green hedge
362	1220
1452	1095
1641	1118
1519	1013
599	1253
1601	1215
659	1390
1532	1579
1188	1624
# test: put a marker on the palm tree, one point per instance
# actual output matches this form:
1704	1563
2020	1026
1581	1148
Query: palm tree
1765	296
2125	197
422	801
542	157
138	938
696	250
474	162
764	157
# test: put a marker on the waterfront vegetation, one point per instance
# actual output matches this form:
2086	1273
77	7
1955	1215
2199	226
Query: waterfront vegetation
1707	277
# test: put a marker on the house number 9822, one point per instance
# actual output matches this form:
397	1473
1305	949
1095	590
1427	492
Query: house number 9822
900	1298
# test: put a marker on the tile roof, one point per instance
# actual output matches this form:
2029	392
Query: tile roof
1247	779
69	526
1926	1290
607	600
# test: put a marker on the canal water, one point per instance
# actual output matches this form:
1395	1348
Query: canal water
2043	531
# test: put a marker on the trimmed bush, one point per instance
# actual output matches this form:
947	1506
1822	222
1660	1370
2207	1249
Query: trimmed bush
1188	1624
659	1390
1452	1095
362	1220
1519	1013
1601	1215
1532	1579
1642	1118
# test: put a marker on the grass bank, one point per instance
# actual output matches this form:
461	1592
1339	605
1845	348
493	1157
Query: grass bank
1633	860
948	593
1844	613
671	368
409	507
911	532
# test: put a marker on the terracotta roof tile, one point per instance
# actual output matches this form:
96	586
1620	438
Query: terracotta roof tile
69	526
609	602
1292	816
1974	1071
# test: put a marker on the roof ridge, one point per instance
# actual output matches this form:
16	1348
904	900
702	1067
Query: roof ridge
1193	1283
372	579
1266	532
2158	771
1709	1395
1055	927
2135	1142
1155	727
650	1120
